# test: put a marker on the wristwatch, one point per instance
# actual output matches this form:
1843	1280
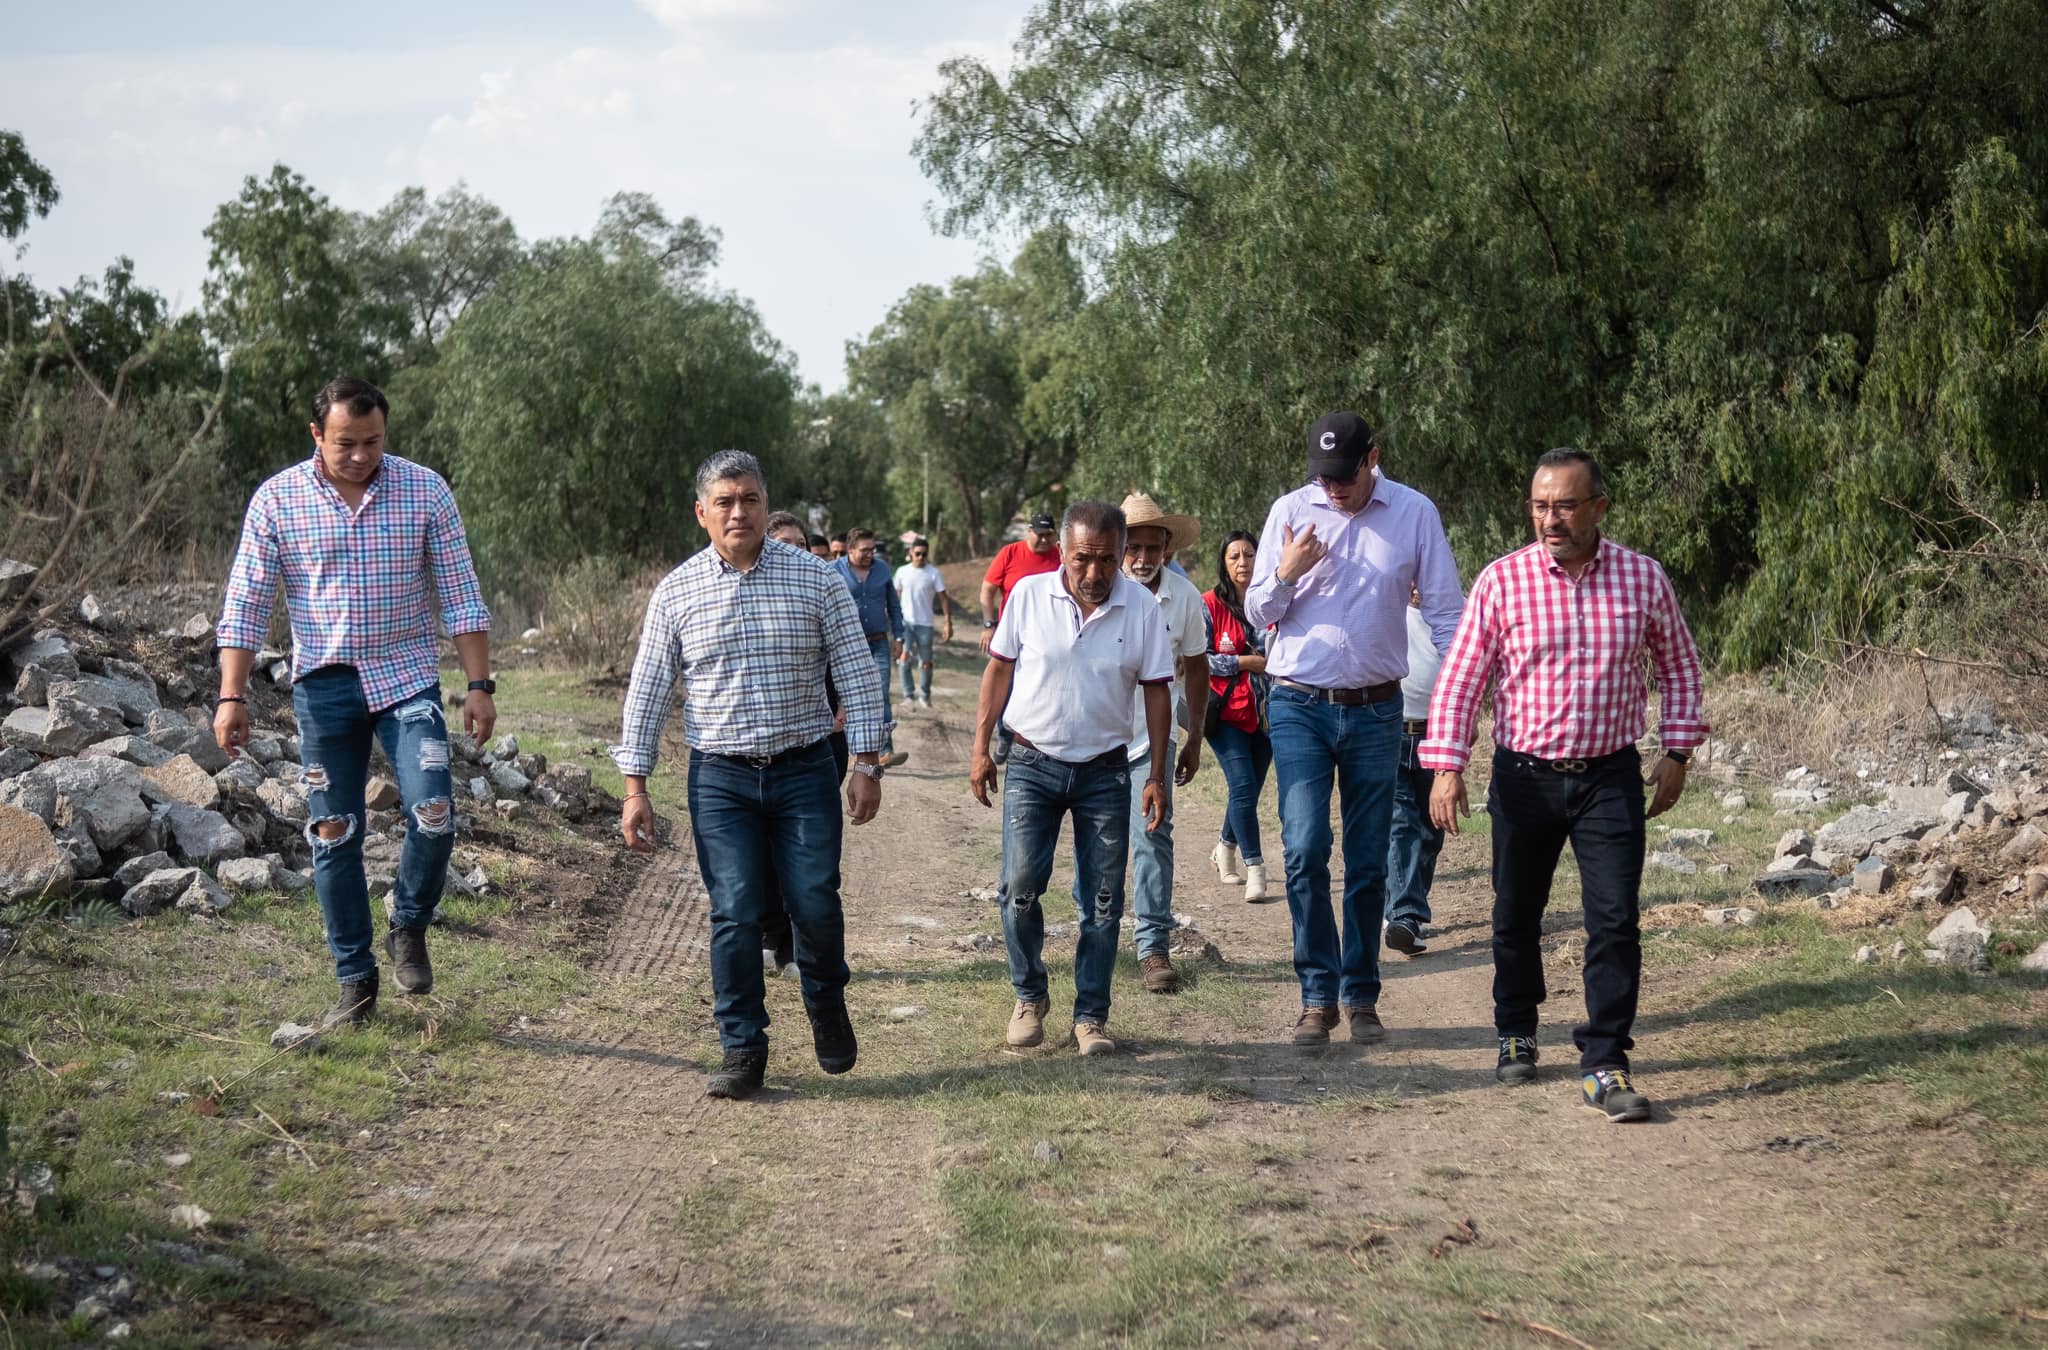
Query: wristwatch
988	623
874	771
1682	756
484	687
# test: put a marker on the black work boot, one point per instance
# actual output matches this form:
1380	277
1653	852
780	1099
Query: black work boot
739	1076
832	1035
356	1005
407	948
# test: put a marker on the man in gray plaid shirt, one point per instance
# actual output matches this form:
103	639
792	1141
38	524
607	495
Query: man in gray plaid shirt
751	625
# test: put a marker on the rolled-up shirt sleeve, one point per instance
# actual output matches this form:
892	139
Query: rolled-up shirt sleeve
462	599
852	668
252	581
650	692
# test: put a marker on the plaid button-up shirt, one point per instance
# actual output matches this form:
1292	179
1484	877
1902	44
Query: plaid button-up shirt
355	581
753	648
1567	660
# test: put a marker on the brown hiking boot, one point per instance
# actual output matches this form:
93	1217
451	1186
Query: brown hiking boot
1159	975
1366	1028
355	1005
1313	1026
1089	1040
1027	1023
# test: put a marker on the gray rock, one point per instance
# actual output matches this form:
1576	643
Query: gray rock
32	687
1863	828
286	801
2027	845
134	749
53	654
14	760
289	1034
480	788
1802	878
91	610
1866	955
180	779
1747	917
31	862
1937	885
17	578
103	795
135	869
242	774
180	737
281	674
205	897
533	766
1689	839
158	891
1734	801
1961	951
1794	798
1873	876
381	794
2036	960
134	700
1047	1152
265	750
197	628
65	727
507	779
1732	914
1793	844
200	836
247	876
505	747
1962	919
1672	862
1955	808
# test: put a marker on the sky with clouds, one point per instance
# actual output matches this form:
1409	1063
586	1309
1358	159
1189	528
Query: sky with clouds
785	123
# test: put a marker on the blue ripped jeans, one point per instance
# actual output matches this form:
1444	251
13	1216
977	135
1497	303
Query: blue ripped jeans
335	728
1039	793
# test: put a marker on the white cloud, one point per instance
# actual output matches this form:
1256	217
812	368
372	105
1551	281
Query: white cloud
797	150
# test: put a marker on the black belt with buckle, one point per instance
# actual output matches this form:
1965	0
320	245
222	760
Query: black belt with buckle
1415	726
1575	767
766	761
1350	698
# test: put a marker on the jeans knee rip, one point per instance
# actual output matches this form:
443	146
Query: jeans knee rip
1105	901
1023	904
435	815
314	777
433	755
320	842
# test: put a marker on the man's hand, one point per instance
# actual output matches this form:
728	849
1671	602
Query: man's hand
231	727
1154	801
1668	777
636	823
981	777
988	635
479	715
1299	553
1187	762
863	797
1447	801
947	635
895	650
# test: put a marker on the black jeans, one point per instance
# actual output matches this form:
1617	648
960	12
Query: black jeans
1535	810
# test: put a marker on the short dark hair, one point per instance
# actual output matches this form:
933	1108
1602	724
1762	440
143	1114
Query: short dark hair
920	543
1101	517
783	520
858	533
360	397
838	538
817	539
1568	454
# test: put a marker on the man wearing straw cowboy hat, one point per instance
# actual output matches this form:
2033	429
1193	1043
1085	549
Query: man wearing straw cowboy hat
1151	539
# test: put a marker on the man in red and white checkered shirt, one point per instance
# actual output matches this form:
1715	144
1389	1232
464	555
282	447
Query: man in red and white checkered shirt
1560	629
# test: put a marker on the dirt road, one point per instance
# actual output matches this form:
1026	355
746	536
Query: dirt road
595	1197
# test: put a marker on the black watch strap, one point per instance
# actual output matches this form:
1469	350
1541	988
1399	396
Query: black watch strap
1682	756
485	686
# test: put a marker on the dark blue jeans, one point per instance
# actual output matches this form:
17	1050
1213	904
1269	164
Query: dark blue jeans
1245	757
1355	749
1039	793
1413	841
757	827
1535	810
879	649
335	730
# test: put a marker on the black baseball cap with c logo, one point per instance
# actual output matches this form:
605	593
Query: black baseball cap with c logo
1337	444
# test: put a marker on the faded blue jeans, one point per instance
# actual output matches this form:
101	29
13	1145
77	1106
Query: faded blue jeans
759	826
1413	842
879	649
1356	750
1039	794
1245	757
1151	861
917	658
335	729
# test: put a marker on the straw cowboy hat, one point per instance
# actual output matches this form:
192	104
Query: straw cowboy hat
1181	531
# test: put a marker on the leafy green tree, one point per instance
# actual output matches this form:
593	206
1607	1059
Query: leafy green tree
419	262
839	465
581	392
26	187
981	388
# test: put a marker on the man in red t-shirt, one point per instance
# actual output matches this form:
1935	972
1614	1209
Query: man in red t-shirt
1038	552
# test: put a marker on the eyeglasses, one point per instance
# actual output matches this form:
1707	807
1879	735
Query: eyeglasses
1568	507
1328	481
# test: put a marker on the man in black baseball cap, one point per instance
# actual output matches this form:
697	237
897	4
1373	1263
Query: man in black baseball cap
1342	455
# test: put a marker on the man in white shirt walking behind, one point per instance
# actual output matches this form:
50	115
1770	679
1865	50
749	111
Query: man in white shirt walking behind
922	592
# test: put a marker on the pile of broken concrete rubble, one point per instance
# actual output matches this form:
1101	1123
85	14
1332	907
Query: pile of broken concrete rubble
112	787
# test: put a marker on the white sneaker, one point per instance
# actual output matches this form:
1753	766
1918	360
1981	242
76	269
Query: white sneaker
1228	870
1254	883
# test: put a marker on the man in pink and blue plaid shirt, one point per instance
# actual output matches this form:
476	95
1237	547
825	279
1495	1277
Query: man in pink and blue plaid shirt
1562	630
356	537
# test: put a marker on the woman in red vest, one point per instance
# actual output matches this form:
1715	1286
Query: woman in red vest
1237	724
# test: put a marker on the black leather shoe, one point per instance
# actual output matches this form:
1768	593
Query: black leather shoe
739	1076
407	948
1517	1060
832	1036
356	1005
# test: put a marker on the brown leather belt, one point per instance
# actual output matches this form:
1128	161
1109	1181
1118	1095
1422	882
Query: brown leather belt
1350	698
875	637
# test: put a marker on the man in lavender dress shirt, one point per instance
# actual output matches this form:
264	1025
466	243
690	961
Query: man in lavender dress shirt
1337	561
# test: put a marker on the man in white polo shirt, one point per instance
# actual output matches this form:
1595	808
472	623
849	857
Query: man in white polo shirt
1072	650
